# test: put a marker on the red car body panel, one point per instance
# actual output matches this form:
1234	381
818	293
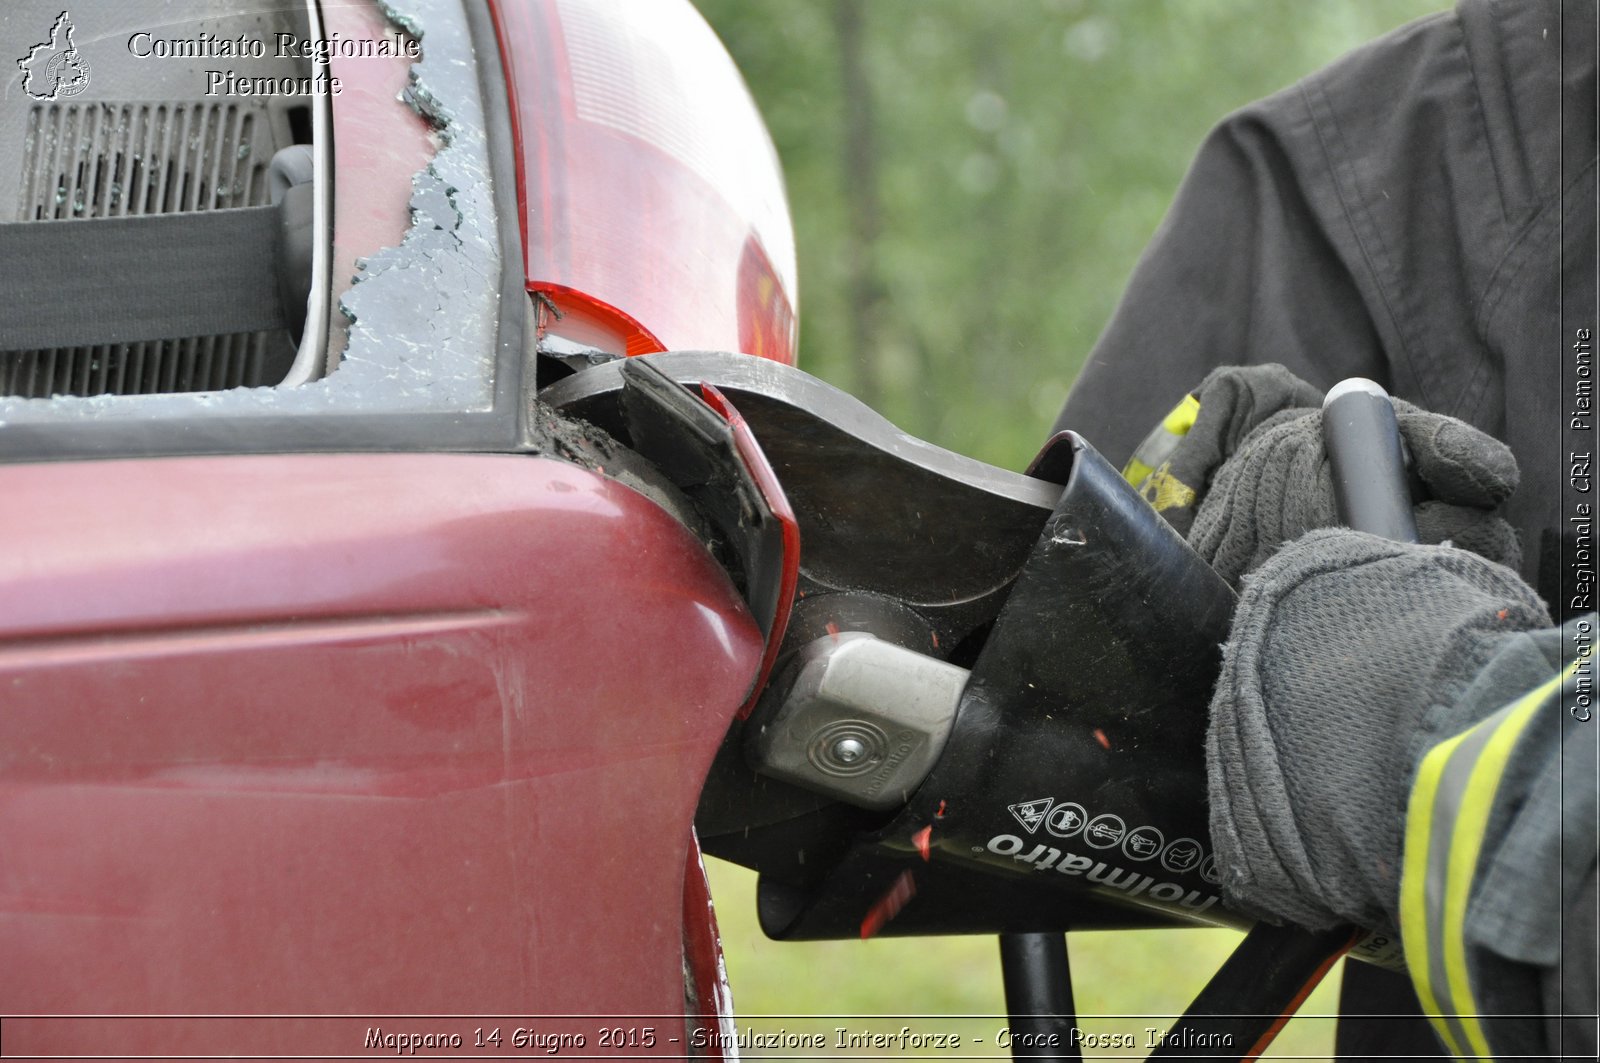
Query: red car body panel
348	735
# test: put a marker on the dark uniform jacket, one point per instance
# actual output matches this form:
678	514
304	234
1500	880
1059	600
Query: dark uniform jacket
1421	213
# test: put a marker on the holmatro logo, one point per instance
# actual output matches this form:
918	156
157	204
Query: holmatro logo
55	68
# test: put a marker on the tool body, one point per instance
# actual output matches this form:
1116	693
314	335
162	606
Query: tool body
1074	759
988	712
996	683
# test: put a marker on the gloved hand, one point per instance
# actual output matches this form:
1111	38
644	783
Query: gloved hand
1259	476
1349	656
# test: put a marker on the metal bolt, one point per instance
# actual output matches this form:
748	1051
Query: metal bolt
849	750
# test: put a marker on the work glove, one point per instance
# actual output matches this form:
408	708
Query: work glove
1349	655
1252	473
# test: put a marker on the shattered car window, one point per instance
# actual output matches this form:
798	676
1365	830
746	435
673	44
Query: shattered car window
213	140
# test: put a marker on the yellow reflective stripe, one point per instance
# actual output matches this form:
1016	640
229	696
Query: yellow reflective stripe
1467	845
1433	927
1414	933
1158	446
1182	417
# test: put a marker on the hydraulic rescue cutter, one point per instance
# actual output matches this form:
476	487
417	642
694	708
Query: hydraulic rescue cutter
984	701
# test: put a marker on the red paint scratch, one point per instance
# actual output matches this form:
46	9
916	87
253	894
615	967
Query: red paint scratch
943	808
833	629
935	640
889	905
1502	614
923	840
1100	736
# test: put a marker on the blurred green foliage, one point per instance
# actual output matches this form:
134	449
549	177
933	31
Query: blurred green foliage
1021	153
971	185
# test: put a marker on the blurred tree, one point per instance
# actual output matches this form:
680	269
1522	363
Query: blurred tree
972	183
864	288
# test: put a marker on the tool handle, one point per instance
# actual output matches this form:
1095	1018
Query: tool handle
1369	469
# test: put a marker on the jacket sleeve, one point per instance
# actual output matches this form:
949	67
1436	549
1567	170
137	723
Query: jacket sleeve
1400	739
1497	890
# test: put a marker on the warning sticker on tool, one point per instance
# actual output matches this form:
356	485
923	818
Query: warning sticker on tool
1105	831
1110	833
1143	843
1031	813
1182	855
1066	819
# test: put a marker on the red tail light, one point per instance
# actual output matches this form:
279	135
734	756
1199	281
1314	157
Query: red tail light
653	210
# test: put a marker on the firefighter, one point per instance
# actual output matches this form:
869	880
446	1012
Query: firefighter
1400	736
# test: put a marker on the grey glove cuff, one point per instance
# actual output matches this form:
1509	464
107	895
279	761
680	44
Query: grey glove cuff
1342	646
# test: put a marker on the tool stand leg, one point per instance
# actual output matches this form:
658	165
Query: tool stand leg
1039	996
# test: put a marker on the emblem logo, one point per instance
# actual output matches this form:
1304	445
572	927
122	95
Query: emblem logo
56	68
